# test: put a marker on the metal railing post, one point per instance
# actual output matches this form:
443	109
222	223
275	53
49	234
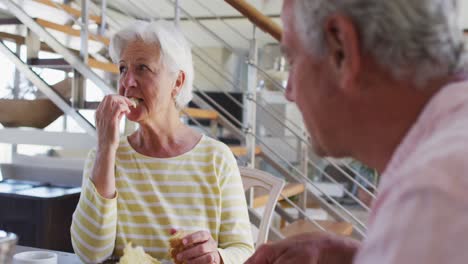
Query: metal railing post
176	13
304	163
79	81
250	106
102	27
33	45
250	111
16	92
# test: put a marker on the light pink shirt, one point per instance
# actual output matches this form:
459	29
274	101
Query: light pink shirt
420	214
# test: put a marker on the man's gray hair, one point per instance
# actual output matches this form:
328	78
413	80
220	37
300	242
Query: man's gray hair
420	38
176	54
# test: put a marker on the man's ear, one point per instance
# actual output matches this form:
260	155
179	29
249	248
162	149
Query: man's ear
344	51
178	83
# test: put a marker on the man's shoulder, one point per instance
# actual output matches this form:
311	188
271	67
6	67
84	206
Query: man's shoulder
437	163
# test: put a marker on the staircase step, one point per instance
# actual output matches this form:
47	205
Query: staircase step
105	66
37	113
305	226
72	11
49	63
10	21
199	113
93	63
63	64
18	39
240	151
70	31
289	190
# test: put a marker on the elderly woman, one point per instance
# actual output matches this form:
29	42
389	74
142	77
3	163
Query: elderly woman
165	175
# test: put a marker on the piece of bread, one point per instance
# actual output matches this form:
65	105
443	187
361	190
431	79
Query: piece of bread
134	102
133	255
175	241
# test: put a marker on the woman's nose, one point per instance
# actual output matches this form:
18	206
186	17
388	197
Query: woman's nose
129	79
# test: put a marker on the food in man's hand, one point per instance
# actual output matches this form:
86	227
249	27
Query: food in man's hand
175	241
133	255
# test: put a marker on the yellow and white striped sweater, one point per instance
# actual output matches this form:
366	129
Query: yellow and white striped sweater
198	190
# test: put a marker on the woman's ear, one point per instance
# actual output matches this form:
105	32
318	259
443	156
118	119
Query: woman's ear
178	84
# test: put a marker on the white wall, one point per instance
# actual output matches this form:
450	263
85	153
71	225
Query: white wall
464	13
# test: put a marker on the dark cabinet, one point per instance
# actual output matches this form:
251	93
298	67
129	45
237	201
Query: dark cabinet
40	214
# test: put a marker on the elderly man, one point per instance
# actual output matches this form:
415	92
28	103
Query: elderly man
384	81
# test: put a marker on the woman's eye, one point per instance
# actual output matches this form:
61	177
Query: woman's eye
122	69
142	67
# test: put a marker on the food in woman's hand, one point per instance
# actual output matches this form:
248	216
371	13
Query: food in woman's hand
175	241
133	255
135	102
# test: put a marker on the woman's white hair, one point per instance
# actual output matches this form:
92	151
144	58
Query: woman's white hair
176	54
409	37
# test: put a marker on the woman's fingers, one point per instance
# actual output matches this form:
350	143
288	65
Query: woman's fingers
114	106
173	231
110	100
108	115
195	238
120	109
209	258
200	249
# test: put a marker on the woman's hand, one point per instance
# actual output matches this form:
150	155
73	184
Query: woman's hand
200	249
108	116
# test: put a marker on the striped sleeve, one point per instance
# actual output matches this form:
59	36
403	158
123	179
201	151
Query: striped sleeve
94	221
235	236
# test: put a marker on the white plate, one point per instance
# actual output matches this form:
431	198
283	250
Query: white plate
35	257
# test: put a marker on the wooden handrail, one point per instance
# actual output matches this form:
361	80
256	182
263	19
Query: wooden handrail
260	20
69	30
68	9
